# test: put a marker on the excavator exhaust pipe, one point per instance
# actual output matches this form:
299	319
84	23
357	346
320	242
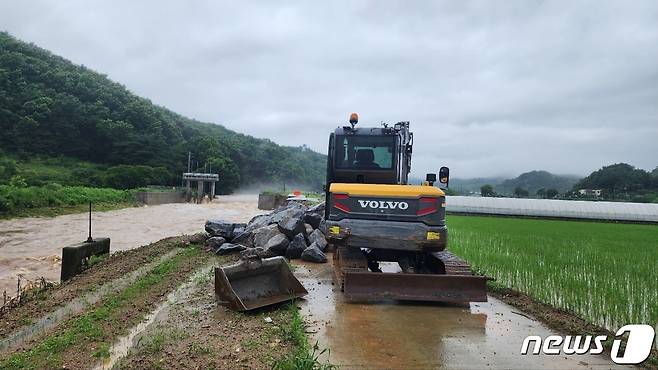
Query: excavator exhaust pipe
255	282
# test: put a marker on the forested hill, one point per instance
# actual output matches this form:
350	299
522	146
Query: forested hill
535	180
50	106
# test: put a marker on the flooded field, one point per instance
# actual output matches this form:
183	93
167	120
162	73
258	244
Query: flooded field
32	247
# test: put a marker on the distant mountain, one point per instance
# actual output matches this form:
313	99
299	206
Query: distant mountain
467	186
535	180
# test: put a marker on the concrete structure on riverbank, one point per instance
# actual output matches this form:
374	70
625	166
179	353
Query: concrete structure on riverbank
153	198
201	180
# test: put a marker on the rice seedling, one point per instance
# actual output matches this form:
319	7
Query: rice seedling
604	272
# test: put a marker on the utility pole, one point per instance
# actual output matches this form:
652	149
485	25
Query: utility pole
189	159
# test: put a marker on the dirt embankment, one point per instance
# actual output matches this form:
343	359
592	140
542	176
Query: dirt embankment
189	329
107	270
197	334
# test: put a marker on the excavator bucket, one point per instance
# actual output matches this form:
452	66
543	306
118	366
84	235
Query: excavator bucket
369	286
255	283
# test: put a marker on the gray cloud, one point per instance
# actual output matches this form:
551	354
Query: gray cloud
490	87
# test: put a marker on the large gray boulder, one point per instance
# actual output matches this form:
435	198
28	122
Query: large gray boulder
318	208
313	219
294	210
292	225
246	238
237	230
296	247
225	229
314	254
215	242
221	228
227	248
264	234
277	245
318	238
308	229
258	221
255	252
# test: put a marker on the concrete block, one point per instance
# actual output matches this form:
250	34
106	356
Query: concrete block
74	255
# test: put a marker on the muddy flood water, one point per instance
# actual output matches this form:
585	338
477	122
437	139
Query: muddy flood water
393	335
32	247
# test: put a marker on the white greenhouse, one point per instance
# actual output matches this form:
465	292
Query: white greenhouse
616	211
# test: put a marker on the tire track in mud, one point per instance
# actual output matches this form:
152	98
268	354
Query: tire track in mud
80	341
79	304
124	344
193	331
119	264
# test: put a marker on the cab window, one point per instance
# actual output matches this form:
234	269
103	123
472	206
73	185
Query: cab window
365	152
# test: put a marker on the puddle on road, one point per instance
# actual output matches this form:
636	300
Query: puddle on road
31	247
416	335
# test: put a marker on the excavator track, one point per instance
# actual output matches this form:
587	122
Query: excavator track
453	264
346	260
455	284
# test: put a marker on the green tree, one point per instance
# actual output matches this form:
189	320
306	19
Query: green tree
519	192
7	169
617	180
49	106
229	176
541	193
552	193
487	191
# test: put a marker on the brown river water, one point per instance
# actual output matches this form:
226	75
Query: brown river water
32	247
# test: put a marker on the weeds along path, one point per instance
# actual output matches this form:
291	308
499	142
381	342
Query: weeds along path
179	296
86	338
85	284
192	331
156	309
80	304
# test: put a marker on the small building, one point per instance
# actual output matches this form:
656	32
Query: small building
590	192
202	179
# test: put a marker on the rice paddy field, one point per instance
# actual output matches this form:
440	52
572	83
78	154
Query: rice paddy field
606	273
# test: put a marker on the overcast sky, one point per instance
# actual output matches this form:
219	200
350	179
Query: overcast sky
490	87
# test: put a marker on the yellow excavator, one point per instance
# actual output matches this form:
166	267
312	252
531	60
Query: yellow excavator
373	215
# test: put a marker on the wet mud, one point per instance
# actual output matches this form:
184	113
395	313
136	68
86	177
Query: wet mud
115	322
106	272
32	247
398	335
77	305
190	330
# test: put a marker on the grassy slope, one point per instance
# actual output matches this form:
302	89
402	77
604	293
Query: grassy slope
55	199
603	272
90	328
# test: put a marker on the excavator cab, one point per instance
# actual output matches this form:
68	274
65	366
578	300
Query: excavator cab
373	215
